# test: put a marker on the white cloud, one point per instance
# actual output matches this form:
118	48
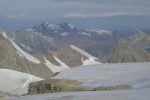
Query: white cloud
101	15
14	16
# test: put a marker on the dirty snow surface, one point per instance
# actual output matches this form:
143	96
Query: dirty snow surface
134	74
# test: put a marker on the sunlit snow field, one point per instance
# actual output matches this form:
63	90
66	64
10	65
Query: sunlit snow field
135	74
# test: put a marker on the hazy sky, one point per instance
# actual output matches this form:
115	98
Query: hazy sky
35	11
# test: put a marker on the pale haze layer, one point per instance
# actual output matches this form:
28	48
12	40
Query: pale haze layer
106	14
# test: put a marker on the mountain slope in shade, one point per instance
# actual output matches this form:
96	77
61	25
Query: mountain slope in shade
14	58
124	52
74	56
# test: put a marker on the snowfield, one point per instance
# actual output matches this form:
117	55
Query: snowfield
15	82
133	74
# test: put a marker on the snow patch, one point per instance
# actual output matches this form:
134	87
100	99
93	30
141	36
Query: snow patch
82	52
55	68
19	54
89	62
86	34
28	81
20	51
71	26
25	54
62	63
53	26
4	35
30	29
15	82
27	47
64	34
98	31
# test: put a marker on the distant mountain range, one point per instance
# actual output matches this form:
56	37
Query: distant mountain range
46	49
43	51
51	37
48	37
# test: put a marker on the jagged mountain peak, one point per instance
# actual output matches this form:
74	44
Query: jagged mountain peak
57	31
47	27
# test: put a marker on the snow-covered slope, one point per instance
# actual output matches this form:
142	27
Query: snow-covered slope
97	32
83	52
25	54
62	63
15	82
4	34
55	68
14	58
91	59
21	52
